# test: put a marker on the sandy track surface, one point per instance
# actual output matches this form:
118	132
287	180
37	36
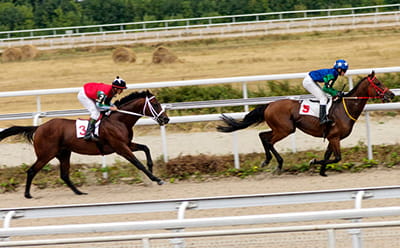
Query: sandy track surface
233	186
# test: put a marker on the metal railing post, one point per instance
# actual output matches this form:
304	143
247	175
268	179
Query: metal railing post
368	128
38	110
104	166
179	242
356	233
7	221
146	243
245	95
164	143
235	147
331	238
350	80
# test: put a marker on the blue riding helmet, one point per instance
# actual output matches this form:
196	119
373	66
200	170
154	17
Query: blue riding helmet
342	64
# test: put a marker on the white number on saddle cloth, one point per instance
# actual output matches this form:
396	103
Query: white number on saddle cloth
81	126
311	107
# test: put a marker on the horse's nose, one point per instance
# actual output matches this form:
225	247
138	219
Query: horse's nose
162	120
388	96
166	120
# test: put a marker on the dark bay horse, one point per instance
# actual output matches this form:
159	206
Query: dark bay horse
57	138
283	118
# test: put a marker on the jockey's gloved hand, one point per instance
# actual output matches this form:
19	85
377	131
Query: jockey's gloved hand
340	94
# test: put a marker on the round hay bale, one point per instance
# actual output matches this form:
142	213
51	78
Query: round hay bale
124	55
29	52
11	54
163	55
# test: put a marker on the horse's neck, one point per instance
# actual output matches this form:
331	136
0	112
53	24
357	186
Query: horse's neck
356	106
128	119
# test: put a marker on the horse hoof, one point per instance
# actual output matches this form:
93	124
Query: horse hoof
161	182
28	196
323	174
265	163
277	171
312	161
80	193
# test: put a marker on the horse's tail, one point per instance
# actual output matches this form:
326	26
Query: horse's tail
26	131
255	116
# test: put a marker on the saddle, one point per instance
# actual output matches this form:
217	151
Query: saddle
81	125
311	107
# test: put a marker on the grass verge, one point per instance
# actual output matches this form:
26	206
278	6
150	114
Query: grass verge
203	167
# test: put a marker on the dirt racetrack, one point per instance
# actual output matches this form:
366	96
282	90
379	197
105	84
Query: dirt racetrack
382	133
223	187
253	185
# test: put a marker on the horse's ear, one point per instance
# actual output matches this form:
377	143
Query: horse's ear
372	74
148	93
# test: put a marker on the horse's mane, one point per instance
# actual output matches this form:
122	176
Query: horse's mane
356	87
132	96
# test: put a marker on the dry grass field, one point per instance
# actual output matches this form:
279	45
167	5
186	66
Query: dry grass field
214	58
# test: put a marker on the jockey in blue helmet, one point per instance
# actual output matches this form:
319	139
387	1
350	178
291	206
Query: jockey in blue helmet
328	77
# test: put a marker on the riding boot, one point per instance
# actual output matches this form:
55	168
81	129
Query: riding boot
323	118
90	129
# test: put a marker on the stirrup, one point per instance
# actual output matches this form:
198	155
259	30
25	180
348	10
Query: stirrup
326	121
91	137
88	137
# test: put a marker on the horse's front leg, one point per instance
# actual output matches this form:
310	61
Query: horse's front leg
139	147
126	152
333	147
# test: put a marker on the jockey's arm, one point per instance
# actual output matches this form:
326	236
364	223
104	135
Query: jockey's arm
329	80
101	102
330	91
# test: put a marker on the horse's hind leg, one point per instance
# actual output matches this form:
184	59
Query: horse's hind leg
266	138
139	147
64	158
32	171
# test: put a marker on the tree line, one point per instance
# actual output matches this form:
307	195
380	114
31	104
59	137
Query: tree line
34	14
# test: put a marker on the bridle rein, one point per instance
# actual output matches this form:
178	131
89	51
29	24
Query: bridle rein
147	105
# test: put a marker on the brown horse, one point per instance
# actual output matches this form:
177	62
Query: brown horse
283	118
57	138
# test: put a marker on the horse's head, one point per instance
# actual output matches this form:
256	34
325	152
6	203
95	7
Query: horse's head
144	104
377	89
154	109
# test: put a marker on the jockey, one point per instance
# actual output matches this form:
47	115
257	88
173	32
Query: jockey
96	97
328	77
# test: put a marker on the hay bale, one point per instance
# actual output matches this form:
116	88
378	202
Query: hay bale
163	55
29	52
123	55
11	54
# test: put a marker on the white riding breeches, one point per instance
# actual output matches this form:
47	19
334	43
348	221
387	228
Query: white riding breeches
315	89
89	104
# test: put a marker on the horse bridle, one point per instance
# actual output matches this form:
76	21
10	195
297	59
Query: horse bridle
147	104
381	94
